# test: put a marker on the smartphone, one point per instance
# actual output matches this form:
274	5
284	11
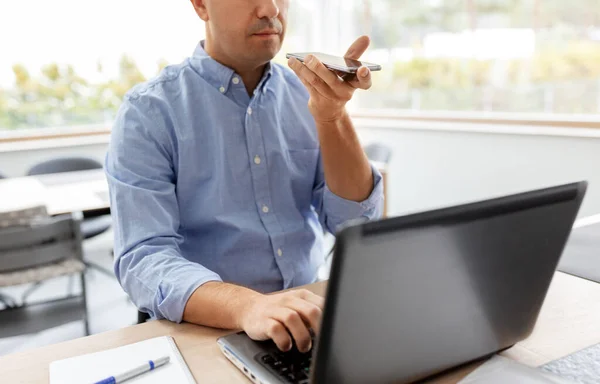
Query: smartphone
337	63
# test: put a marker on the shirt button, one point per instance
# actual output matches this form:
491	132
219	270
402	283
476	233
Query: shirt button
249	111
222	89
279	252
257	160
265	209
236	80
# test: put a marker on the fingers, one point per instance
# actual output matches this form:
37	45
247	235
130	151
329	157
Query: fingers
295	325
328	76
286	317
312	297
362	80
317	77
357	48
279	334
311	313
311	80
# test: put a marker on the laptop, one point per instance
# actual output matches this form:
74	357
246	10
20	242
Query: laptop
413	296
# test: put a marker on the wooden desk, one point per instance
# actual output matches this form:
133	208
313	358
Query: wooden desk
81	191
568	322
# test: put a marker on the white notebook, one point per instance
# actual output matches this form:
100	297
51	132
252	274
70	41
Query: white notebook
100	365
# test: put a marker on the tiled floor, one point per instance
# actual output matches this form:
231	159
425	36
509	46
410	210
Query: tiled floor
108	306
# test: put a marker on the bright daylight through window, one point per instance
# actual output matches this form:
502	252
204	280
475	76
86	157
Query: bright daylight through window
67	64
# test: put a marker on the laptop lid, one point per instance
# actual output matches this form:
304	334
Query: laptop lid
412	296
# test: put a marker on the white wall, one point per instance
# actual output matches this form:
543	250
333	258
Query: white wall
434	167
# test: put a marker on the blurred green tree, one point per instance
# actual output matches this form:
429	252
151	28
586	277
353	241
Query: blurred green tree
59	96
107	97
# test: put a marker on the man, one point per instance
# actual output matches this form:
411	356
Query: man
225	169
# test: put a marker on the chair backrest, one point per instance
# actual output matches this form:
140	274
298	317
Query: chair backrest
54	239
23	216
378	152
64	164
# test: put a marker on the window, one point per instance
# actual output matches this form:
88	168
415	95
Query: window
540	56
68	62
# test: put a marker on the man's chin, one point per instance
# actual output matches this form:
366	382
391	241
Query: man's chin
267	53
267	41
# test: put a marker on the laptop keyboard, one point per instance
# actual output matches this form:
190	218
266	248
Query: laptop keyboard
292	366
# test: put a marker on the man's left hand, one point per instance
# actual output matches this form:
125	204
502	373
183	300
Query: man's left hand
329	93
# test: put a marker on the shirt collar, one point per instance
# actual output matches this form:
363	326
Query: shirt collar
219	75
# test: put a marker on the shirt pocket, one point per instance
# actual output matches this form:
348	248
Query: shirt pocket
303	164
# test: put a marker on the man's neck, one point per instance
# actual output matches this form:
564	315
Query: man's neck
250	75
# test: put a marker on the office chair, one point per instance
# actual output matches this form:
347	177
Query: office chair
142	317
64	164
46	248
91	226
382	155
378	152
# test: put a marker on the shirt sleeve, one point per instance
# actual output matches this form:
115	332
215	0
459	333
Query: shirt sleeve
141	177
335	211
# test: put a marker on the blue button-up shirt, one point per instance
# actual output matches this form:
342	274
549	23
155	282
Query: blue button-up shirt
208	183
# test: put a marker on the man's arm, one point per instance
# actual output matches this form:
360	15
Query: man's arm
351	186
279	316
150	266
145	211
347	170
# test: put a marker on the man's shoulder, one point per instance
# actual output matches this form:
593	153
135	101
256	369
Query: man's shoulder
149	101
161	85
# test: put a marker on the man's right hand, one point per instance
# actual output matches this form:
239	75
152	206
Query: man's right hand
278	316
281	316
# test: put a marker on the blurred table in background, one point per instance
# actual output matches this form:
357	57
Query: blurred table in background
81	191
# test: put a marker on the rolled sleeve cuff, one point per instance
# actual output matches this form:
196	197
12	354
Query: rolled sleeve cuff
340	210
176	293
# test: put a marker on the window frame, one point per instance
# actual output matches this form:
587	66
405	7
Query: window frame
468	118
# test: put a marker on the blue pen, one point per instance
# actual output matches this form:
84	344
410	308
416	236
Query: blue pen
143	368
